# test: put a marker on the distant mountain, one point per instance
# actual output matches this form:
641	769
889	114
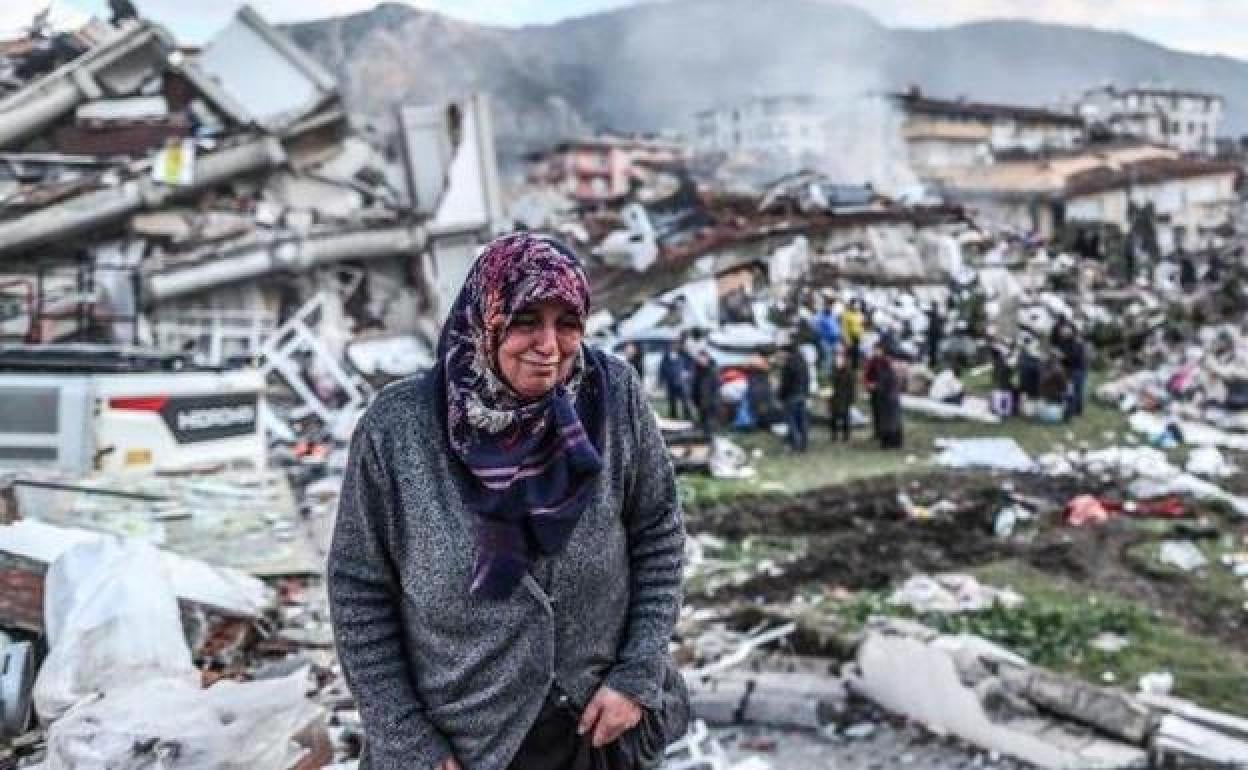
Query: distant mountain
651	66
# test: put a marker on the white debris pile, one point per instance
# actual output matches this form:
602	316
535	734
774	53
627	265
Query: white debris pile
117	698
974	409
729	460
713	563
951	593
1146	472
990	697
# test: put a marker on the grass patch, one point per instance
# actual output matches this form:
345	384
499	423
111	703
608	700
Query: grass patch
1059	617
1057	622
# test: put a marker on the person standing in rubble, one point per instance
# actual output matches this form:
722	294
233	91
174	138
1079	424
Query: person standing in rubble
852	328
844	391
676	374
1073	352
706	391
1054	391
883	383
935	335
1027	395
505	571
1003	385
828	335
794	390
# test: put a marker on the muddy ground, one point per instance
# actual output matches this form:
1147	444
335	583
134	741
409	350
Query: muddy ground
860	538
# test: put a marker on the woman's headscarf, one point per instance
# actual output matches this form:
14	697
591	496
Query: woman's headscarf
534	462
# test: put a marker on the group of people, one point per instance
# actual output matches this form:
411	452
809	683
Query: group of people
1026	382
1046	387
881	375
690	379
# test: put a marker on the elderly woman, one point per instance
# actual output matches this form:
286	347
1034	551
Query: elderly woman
505	570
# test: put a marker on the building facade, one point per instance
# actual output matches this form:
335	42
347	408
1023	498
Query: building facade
1193	200
1186	120
792	126
602	170
943	134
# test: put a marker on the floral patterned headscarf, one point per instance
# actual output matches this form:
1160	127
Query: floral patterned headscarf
533	463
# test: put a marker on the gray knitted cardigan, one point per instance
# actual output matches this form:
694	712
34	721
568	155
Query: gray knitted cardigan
436	672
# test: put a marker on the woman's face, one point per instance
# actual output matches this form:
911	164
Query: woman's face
539	348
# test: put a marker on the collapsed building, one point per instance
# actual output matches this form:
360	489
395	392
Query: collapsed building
170	202
1190	204
153	194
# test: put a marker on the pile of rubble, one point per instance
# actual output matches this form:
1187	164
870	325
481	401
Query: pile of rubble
160	196
960	686
233	615
243	237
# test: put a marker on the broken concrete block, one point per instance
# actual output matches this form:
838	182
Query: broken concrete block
1234	726
1113	712
920	681
718	702
1177	737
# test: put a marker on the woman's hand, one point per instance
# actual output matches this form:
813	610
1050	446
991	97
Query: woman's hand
609	715
448	764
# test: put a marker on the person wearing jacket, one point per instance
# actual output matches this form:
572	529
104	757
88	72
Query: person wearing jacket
844	391
676	374
935	335
1073	354
853	324
794	390
884	386
828	335
706	391
1053	391
505	572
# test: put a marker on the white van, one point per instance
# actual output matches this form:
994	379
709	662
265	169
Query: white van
85	408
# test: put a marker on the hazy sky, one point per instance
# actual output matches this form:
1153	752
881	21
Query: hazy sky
1203	26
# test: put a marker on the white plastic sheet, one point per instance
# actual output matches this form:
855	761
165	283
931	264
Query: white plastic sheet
172	725
996	453
112	619
226	589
